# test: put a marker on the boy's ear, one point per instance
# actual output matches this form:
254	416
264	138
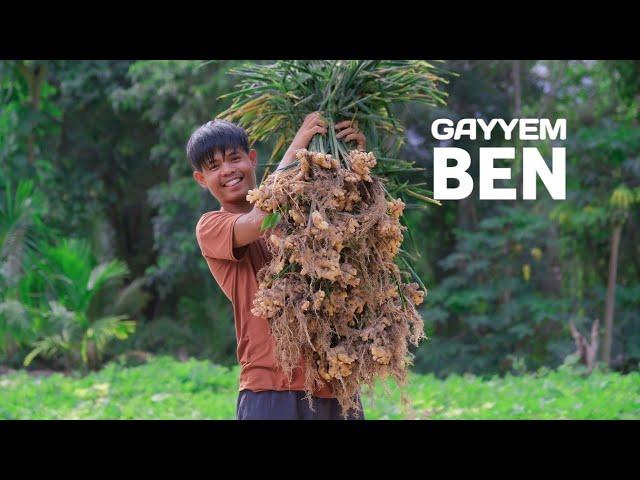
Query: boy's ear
199	177
253	156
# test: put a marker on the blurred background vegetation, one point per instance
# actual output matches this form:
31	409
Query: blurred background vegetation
98	257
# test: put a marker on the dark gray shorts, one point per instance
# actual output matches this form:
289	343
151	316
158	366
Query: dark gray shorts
288	405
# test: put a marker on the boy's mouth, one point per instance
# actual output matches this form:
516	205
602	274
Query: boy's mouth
233	181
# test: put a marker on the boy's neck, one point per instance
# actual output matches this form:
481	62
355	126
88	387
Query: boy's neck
240	207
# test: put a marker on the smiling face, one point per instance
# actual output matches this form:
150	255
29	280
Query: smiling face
229	178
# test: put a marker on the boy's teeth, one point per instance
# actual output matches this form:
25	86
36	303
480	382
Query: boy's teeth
231	183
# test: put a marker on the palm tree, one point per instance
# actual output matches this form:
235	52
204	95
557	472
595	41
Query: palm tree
82	316
20	286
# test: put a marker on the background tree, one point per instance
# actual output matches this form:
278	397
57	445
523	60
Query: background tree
102	145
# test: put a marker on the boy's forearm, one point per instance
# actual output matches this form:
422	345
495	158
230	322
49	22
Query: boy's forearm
288	158
247	228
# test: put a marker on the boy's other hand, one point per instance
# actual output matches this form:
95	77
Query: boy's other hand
312	125
349	132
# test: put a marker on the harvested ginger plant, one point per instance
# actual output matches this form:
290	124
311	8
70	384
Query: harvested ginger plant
332	292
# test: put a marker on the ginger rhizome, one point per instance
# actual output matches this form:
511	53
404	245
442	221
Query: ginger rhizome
332	293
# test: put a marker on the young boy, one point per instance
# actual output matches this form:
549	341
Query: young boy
234	248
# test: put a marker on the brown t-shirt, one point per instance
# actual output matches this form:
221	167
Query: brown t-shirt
237	279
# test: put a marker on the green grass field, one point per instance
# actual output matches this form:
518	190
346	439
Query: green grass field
165	388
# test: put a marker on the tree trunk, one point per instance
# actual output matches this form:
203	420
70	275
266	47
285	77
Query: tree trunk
517	91
34	77
587	350
517	106
611	295
517	113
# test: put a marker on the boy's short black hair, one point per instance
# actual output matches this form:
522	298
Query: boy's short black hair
213	137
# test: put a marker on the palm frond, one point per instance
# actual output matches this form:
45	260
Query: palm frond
114	326
131	299
62	318
48	347
106	272
20	226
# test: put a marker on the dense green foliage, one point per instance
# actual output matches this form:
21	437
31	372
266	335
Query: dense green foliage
506	278
167	389
92	161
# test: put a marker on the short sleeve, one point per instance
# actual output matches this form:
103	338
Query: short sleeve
214	233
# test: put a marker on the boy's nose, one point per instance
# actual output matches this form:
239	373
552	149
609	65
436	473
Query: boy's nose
227	169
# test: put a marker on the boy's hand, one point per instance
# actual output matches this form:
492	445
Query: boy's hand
312	125
347	132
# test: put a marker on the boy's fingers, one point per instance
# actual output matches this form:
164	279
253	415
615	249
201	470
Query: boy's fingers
320	130
311	118
314	118
345	132
353	136
343	124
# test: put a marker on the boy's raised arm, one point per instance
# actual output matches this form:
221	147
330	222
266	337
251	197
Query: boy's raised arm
247	228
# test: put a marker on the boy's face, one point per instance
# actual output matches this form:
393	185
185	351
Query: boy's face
230	176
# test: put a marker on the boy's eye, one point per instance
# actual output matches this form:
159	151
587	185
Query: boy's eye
211	164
